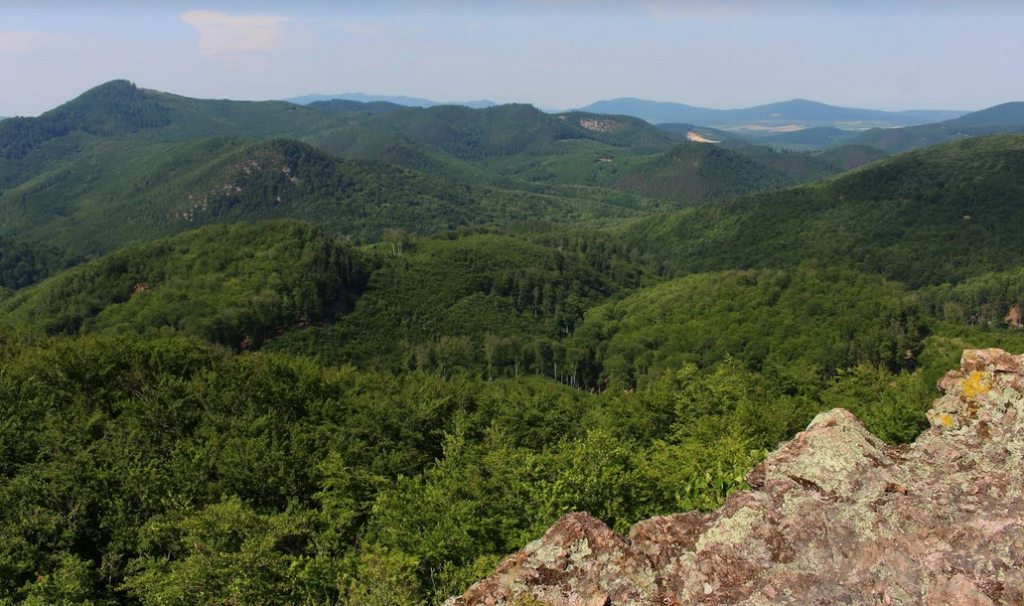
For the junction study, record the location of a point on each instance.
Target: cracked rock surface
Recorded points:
(834, 516)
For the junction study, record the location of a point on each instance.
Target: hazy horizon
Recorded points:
(551, 53)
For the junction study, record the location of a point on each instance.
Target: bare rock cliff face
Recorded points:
(835, 516)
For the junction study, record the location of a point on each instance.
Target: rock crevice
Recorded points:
(835, 516)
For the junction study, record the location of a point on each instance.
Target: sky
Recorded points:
(885, 54)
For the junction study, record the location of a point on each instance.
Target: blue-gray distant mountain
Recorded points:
(933, 115)
(396, 99)
(1004, 118)
(1006, 114)
(770, 118)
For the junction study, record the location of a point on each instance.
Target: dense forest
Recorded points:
(354, 354)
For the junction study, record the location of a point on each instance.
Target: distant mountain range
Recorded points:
(396, 99)
(772, 118)
(762, 120)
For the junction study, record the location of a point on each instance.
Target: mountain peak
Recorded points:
(114, 108)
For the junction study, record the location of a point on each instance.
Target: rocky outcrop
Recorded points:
(835, 516)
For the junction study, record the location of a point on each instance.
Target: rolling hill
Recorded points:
(818, 137)
(344, 106)
(1006, 114)
(804, 166)
(119, 109)
(750, 316)
(127, 192)
(926, 217)
(74, 165)
(217, 411)
(692, 132)
(695, 173)
(1005, 118)
(516, 130)
(236, 285)
(435, 302)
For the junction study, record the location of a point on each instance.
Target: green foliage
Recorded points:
(1004, 118)
(423, 406)
(805, 323)
(165, 472)
(470, 302)
(114, 108)
(236, 285)
(928, 217)
(342, 106)
(23, 264)
(128, 193)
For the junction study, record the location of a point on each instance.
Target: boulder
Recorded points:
(835, 516)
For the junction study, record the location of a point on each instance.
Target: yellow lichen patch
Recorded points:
(945, 419)
(976, 384)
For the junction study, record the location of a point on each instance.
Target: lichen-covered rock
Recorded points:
(835, 516)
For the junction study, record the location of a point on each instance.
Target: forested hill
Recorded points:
(1005, 114)
(125, 192)
(121, 108)
(514, 129)
(236, 285)
(344, 106)
(265, 414)
(1005, 118)
(123, 165)
(926, 217)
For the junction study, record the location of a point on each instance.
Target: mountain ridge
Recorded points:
(794, 111)
(1002, 118)
(402, 100)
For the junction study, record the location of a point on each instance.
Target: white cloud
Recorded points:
(12, 42)
(222, 36)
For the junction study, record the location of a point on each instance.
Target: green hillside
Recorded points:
(516, 130)
(1006, 114)
(345, 106)
(454, 327)
(804, 166)
(934, 215)
(696, 173)
(236, 285)
(124, 192)
(1005, 118)
(783, 322)
(479, 301)
(23, 263)
(121, 165)
(819, 137)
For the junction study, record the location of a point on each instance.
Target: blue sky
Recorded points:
(894, 54)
